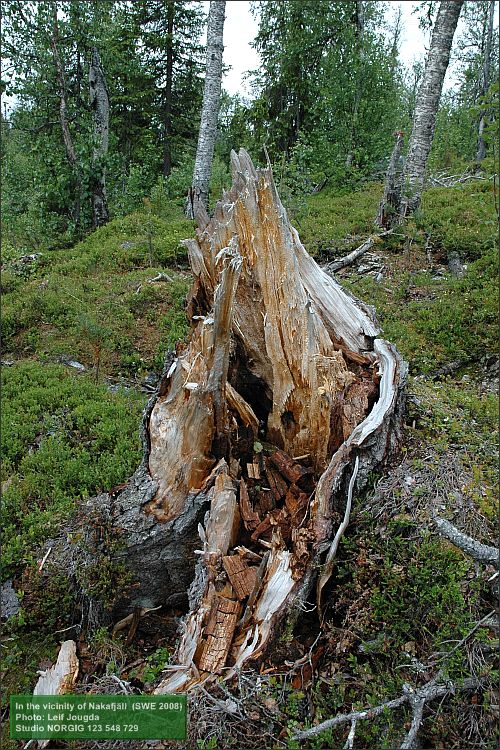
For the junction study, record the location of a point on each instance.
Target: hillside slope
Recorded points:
(85, 332)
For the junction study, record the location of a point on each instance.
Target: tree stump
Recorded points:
(281, 404)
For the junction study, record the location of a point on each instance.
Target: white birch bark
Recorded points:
(210, 110)
(426, 107)
(99, 102)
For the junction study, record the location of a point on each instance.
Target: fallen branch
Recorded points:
(453, 179)
(451, 367)
(122, 624)
(417, 699)
(481, 552)
(336, 265)
(160, 277)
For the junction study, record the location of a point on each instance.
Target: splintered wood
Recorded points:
(251, 519)
(219, 634)
(241, 575)
(284, 381)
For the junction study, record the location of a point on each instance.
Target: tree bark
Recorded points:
(63, 115)
(220, 517)
(199, 190)
(99, 101)
(485, 82)
(426, 107)
(390, 204)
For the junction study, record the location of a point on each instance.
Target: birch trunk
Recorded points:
(426, 107)
(63, 115)
(485, 82)
(199, 190)
(264, 428)
(99, 101)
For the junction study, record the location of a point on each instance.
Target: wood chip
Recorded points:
(279, 517)
(251, 519)
(296, 503)
(241, 575)
(265, 503)
(253, 471)
(219, 632)
(287, 467)
(276, 482)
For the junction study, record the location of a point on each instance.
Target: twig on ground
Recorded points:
(350, 737)
(417, 707)
(483, 622)
(125, 686)
(336, 265)
(160, 277)
(42, 562)
(417, 698)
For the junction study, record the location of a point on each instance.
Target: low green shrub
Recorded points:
(64, 438)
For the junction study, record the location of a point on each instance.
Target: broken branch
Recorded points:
(418, 698)
(481, 552)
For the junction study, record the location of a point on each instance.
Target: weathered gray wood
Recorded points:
(481, 552)
(99, 101)
(350, 258)
(388, 212)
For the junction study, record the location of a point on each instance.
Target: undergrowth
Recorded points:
(401, 595)
(64, 438)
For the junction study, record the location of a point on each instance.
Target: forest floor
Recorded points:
(85, 330)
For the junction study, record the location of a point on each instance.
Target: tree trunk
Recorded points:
(390, 204)
(167, 123)
(63, 115)
(281, 404)
(99, 101)
(198, 192)
(485, 82)
(427, 103)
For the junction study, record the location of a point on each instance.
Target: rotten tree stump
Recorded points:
(250, 442)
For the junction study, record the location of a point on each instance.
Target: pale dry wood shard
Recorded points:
(62, 676)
